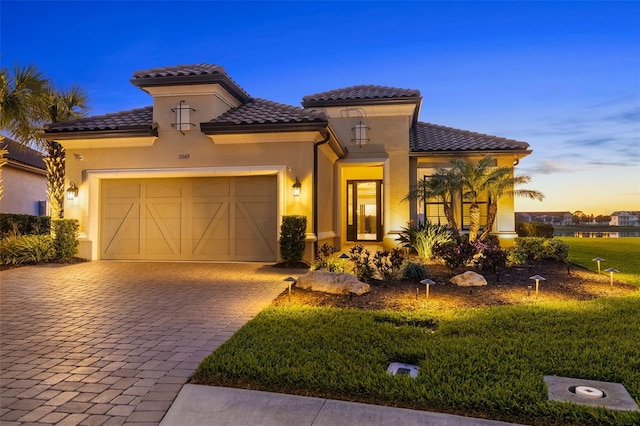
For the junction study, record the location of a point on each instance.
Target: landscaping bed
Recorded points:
(509, 286)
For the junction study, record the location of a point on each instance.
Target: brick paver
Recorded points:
(110, 343)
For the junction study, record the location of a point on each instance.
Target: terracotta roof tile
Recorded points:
(360, 93)
(135, 118)
(262, 111)
(23, 154)
(427, 137)
(189, 74)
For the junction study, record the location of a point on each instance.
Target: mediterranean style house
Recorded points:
(24, 179)
(207, 172)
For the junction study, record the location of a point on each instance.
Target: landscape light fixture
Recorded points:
(427, 282)
(598, 259)
(72, 191)
(296, 188)
(290, 280)
(611, 271)
(538, 278)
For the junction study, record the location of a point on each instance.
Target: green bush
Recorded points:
(424, 237)
(387, 263)
(326, 260)
(292, 235)
(26, 249)
(413, 271)
(361, 259)
(65, 241)
(534, 229)
(23, 224)
(527, 249)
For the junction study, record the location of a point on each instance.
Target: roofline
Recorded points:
(361, 101)
(24, 166)
(221, 79)
(133, 131)
(442, 153)
(216, 128)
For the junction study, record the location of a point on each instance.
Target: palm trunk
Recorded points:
(491, 218)
(448, 212)
(474, 225)
(55, 161)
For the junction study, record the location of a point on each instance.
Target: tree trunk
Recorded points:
(55, 161)
(448, 212)
(474, 225)
(491, 218)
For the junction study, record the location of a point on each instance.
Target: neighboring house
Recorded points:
(551, 218)
(207, 171)
(625, 218)
(24, 178)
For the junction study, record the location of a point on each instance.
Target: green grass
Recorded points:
(622, 254)
(487, 362)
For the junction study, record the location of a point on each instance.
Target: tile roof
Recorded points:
(23, 154)
(427, 137)
(262, 111)
(189, 75)
(133, 119)
(359, 93)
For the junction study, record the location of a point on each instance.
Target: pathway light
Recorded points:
(598, 259)
(611, 271)
(538, 278)
(427, 282)
(290, 280)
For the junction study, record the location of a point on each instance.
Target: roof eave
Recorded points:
(130, 132)
(209, 128)
(220, 79)
(365, 101)
(520, 152)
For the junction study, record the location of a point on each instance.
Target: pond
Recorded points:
(597, 234)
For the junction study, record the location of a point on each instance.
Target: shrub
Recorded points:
(24, 224)
(485, 254)
(327, 261)
(528, 249)
(292, 235)
(65, 240)
(25, 249)
(534, 229)
(388, 263)
(361, 259)
(413, 271)
(424, 237)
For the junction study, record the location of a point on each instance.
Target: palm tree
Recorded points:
(64, 104)
(502, 183)
(441, 186)
(473, 180)
(23, 96)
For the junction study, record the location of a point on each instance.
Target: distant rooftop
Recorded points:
(21, 154)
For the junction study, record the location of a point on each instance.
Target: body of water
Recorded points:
(596, 234)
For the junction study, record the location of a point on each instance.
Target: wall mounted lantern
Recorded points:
(296, 188)
(182, 123)
(72, 191)
(360, 134)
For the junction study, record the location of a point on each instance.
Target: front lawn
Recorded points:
(484, 362)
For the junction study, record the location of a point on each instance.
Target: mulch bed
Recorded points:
(510, 286)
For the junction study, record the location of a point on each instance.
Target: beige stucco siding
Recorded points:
(22, 190)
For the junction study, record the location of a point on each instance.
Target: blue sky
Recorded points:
(562, 76)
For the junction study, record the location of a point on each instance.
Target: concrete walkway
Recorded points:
(113, 342)
(198, 405)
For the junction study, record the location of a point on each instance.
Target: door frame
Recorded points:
(352, 234)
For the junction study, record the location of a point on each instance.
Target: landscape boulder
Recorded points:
(332, 282)
(469, 279)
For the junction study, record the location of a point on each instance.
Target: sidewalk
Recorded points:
(199, 405)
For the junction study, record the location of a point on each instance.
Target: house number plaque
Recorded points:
(183, 156)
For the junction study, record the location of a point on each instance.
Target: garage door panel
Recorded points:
(231, 218)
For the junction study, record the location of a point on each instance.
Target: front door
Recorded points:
(364, 210)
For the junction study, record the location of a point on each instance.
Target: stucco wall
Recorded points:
(22, 190)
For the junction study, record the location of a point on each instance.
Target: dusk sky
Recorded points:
(564, 77)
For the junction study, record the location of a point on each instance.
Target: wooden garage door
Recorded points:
(230, 218)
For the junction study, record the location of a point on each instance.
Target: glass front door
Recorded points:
(364, 210)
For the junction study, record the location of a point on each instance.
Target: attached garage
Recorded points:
(200, 218)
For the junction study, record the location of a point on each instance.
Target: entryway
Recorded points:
(364, 210)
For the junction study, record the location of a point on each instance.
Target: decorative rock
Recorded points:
(469, 279)
(332, 282)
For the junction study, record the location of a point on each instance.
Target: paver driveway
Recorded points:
(113, 342)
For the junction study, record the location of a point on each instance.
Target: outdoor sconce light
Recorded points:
(296, 188)
(183, 120)
(360, 134)
(72, 192)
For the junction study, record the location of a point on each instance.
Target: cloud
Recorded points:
(631, 116)
(548, 167)
(591, 141)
